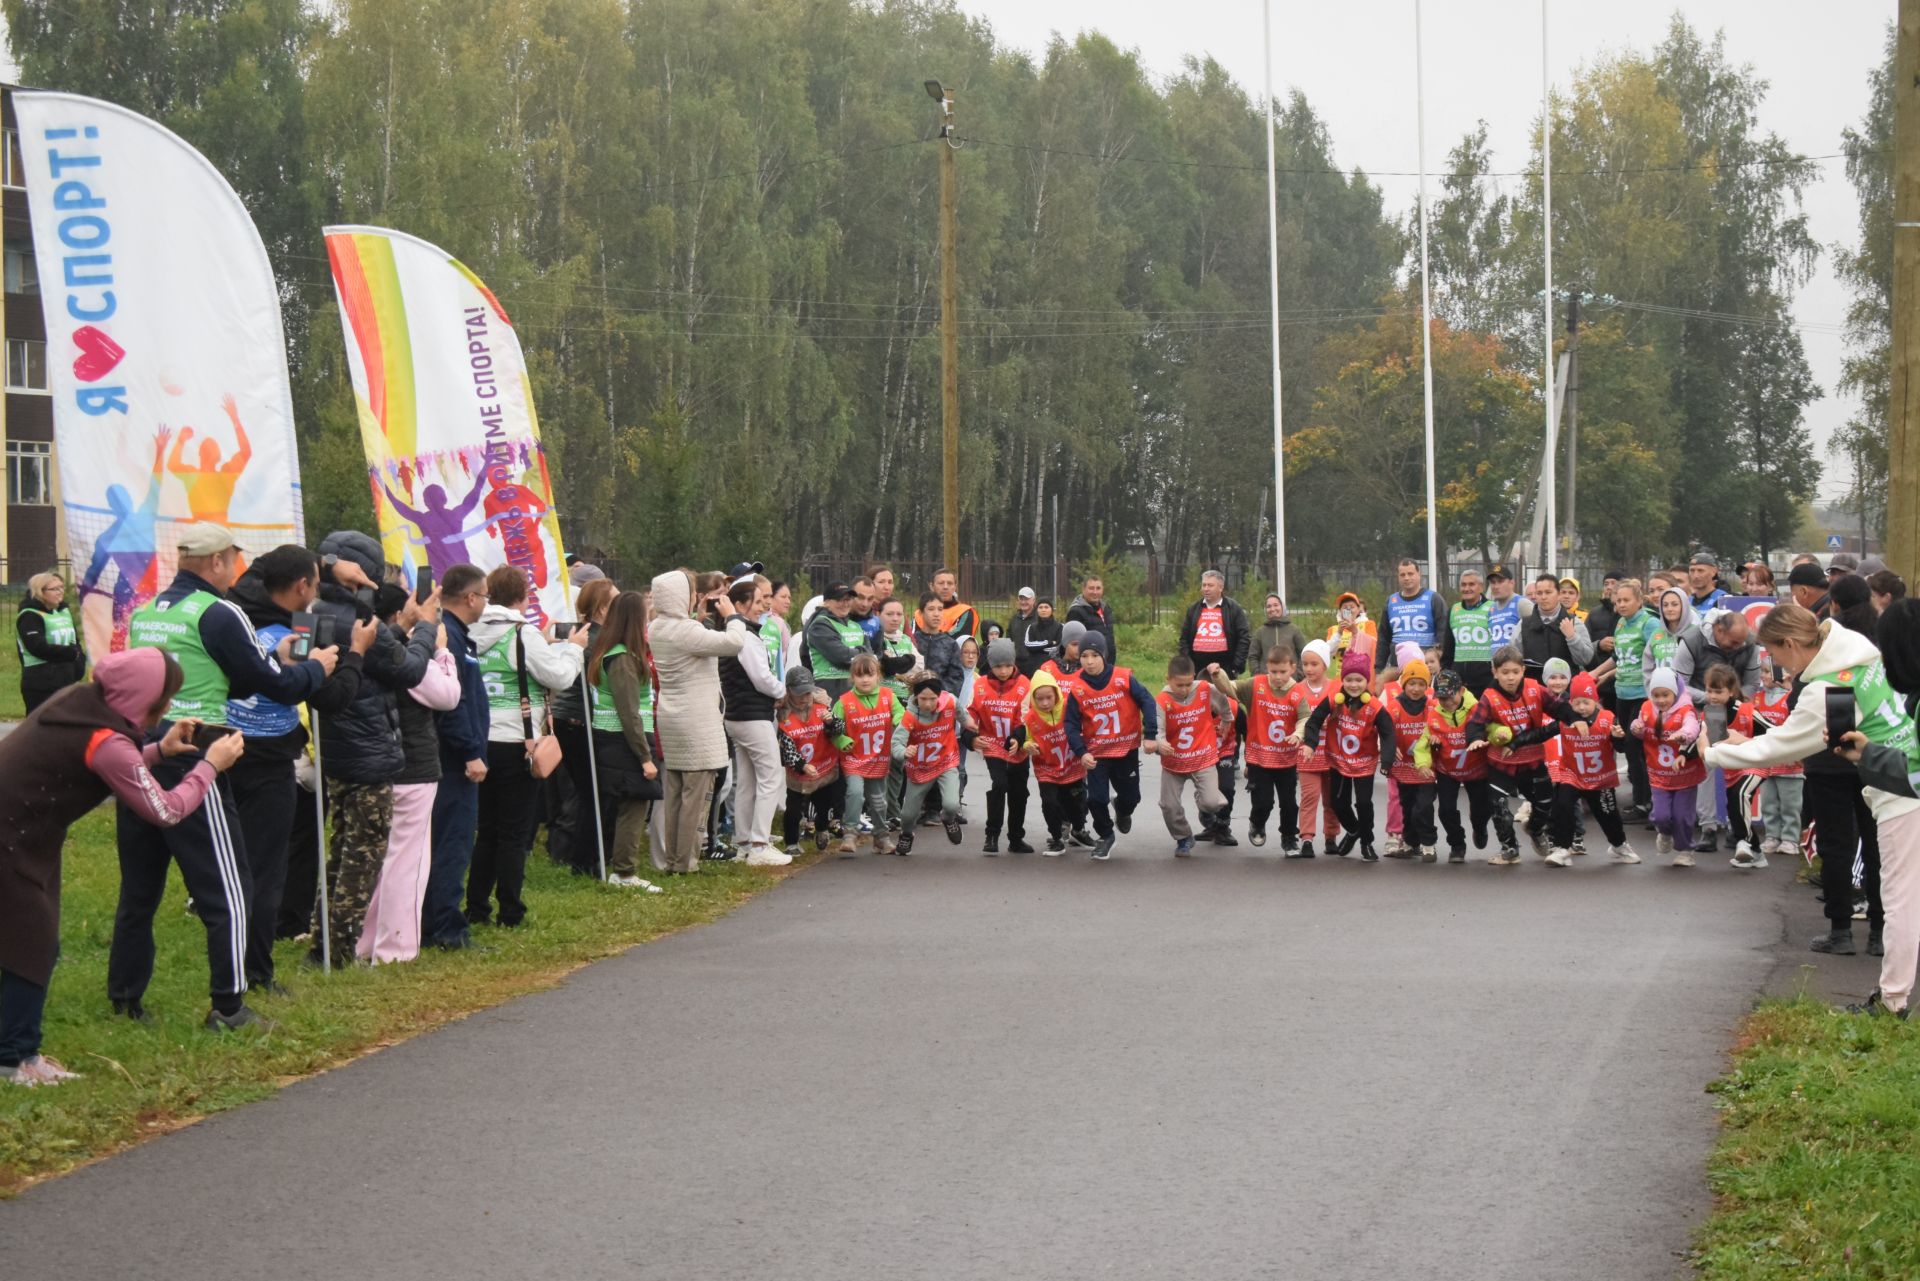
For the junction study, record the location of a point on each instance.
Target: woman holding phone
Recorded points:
(80, 747)
(580, 855)
(687, 715)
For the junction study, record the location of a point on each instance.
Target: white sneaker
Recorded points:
(36, 1071)
(1396, 845)
(1769, 846)
(1663, 844)
(1622, 854)
(633, 883)
(1683, 859)
(1745, 856)
(1560, 858)
(767, 856)
(1521, 815)
(1504, 857)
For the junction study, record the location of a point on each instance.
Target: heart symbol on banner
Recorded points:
(98, 354)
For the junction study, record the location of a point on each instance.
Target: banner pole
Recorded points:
(320, 840)
(593, 773)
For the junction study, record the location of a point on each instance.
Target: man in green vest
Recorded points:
(220, 658)
(834, 636)
(1467, 647)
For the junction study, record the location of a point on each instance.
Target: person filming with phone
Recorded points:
(221, 657)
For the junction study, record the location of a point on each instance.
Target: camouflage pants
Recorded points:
(362, 816)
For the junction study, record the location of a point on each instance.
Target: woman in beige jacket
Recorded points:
(687, 715)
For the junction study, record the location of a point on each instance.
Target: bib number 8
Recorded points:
(1668, 757)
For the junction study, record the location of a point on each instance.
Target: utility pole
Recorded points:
(1571, 411)
(949, 333)
(1903, 431)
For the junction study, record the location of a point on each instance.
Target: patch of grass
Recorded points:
(142, 1081)
(1817, 1172)
(11, 706)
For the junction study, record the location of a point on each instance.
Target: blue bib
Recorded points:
(1504, 622)
(1412, 620)
(258, 716)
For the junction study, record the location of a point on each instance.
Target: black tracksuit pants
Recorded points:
(267, 799)
(823, 803)
(1267, 784)
(213, 861)
(1007, 797)
(1416, 812)
(1601, 803)
(1353, 804)
(1480, 810)
(1116, 778)
(1842, 827)
(503, 835)
(1064, 807)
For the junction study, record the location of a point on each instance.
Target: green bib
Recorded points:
(770, 637)
(1630, 638)
(59, 631)
(175, 627)
(1472, 632)
(1663, 645)
(605, 715)
(501, 675)
(851, 635)
(1878, 712)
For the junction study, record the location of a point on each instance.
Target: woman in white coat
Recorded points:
(687, 715)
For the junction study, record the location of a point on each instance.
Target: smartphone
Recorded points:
(324, 629)
(563, 630)
(1840, 714)
(205, 735)
(303, 627)
(423, 586)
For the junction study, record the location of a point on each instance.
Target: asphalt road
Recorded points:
(956, 1066)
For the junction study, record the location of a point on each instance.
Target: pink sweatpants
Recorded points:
(1316, 799)
(392, 929)
(1900, 893)
(1395, 823)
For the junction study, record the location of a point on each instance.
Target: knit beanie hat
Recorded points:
(1556, 667)
(1415, 671)
(1000, 653)
(1072, 632)
(1093, 643)
(1406, 652)
(1356, 664)
(1318, 648)
(1584, 686)
(1663, 678)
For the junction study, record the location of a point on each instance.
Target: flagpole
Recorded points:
(1546, 332)
(1436, 572)
(1273, 303)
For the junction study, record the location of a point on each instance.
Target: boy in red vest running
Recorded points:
(1460, 766)
(1412, 771)
(928, 740)
(1359, 737)
(996, 708)
(1273, 702)
(1670, 729)
(808, 730)
(1109, 714)
(1041, 738)
(1189, 750)
(869, 714)
(1580, 763)
(1511, 723)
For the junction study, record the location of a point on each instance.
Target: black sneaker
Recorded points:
(1833, 942)
(991, 845)
(720, 853)
(1709, 842)
(1124, 822)
(1204, 834)
(1224, 836)
(905, 845)
(1344, 846)
(1456, 854)
(953, 829)
(131, 1010)
(1479, 838)
(1256, 837)
(1056, 845)
(1874, 946)
(1367, 854)
(1018, 846)
(272, 987)
(1306, 850)
(1083, 838)
(1875, 1005)
(821, 839)
(242, 1017)
(1102, 849)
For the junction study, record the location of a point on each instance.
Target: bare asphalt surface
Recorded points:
(951, 1066)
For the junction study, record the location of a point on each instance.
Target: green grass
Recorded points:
(142, 1081)
(11, 708)
(1817, 1172)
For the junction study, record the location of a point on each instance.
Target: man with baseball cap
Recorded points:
(1703, 582)
(1033, 637)
(1808, 584)
(1507, 608)
(221, 658)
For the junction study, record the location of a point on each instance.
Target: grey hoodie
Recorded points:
(1662, 645)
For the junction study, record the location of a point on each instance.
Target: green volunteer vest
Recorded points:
(500, 673)
(605, 715)
(1472, 631)
(175, 628)
(851, 635)
(770, 637)
(1878, 712)
(1663, 645)
(1630, 639)
(59, 631)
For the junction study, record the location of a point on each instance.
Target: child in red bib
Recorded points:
(1041, 738)
(1272, 703)
(1412, 771)
(1189, 749)
(998, 697)
(1459, 766)
(1109, 714)
(868, 715)
(808, 730)
(1670, 729)
(1359, 737)
(928, 742)
(1778, 827)
(1580, 765)
(1511, 725)
(1315, 772)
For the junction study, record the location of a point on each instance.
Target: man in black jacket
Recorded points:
(1034, 638)
(463, 763)
(276, 586)
(1090, 610)
(360, 751)
(1215, 630)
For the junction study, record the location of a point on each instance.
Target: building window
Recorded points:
(26, 364)
(29, 473)
(23, 273)
(13, 172)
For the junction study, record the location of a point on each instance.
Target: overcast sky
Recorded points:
(1355, 63)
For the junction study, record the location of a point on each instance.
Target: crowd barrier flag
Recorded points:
(446, 415)
(165, 359)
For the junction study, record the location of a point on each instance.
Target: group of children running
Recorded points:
(1529, 755)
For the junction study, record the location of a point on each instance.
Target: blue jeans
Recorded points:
(22, 1006)
(456, 809)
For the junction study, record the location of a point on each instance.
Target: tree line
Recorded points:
(714, 224)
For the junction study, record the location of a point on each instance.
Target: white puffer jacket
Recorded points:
(686, 713)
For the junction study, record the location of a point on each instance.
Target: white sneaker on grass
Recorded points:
(767, 856)
(633, 883)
